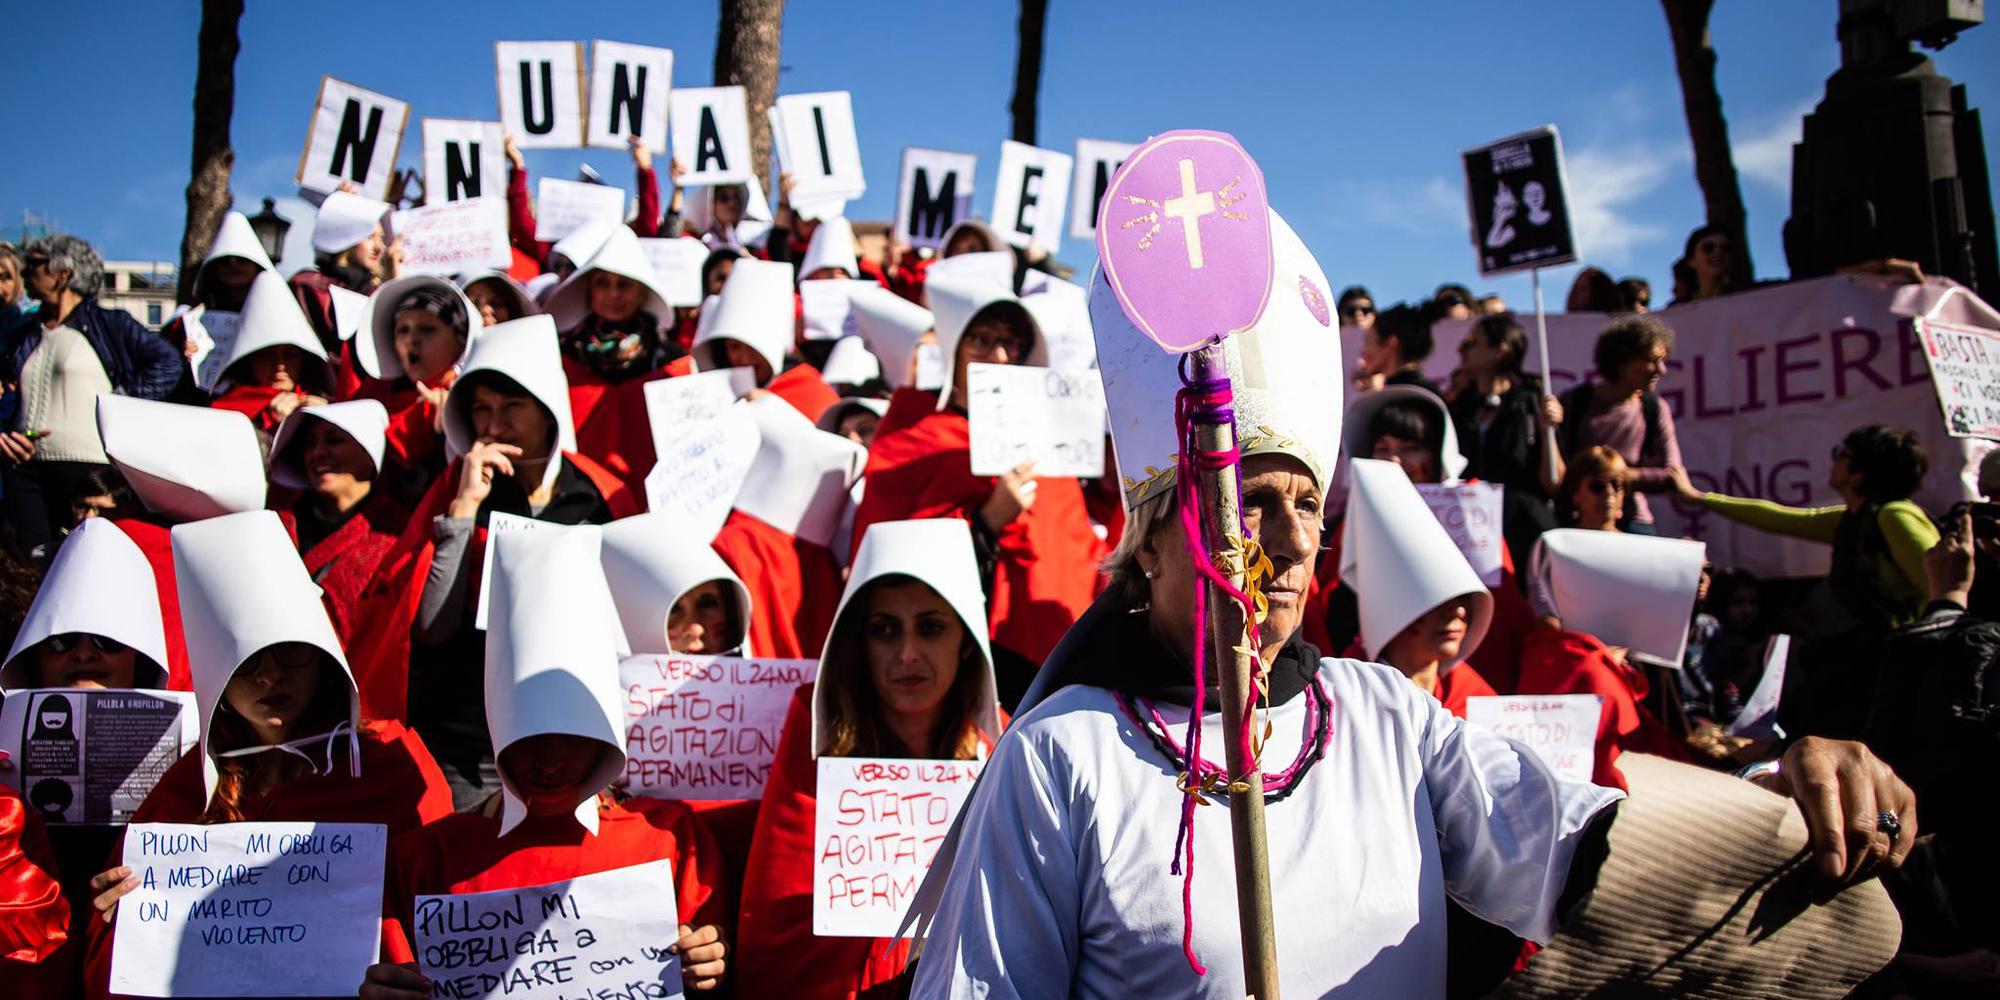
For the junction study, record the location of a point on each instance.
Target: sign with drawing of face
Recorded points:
(1519, 202)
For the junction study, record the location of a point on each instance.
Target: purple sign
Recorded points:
(1184, 237)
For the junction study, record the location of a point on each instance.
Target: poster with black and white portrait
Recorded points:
(1519, 202)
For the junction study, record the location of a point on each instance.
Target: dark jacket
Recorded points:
(138, 361)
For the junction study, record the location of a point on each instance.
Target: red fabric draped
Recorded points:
(794, 586)
(157, 544)
(612, 428)
(1458, 684)
(1563, 662)
(801, 386)
(37, 954)
(1045, 563)
(255, 402)
(345, 561)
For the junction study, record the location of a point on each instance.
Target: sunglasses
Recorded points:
(1357, 310)
(36, 263)
(980, 343)
(63, 642)
(291, 654)
(1605, 487)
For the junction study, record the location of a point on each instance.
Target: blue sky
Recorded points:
(1356, 111)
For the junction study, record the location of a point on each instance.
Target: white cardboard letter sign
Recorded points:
(541, 93)
(92, 755)
(934, 193)
(1096, 161)
(463, 160)
(594, 935)
(820, 147)
(1020, 412)
(705, 727)
(1029, 195)
(711, 127)
(563, 207)
(877, 823)
(249, 909)
(628, 94)
(452, 237)
(1470, 513)
(354, 138)
(1561, 729)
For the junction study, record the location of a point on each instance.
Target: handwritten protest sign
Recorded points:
(1561, 728)
(496, 524)
(675, 405)
(677, 264)
(249, 909)
(563, 207)
(216, 329)
(699, 473)
(1965, 369)
(1758, 719)
(877, 823)
(602, 935)
(92, 755)
(1019, 413)
(452, 237)
(705, 727)
(1470, 513)
(828, 309)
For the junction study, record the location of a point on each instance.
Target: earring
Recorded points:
(1150, 574)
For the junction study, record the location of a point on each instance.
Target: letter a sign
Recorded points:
(354, 138)
(541, 93)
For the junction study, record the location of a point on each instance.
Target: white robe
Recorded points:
(1061, 888)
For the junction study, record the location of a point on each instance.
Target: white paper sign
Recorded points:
(675, 405)
(84, 755)
(677, 266)
(498, 523)
(711, 127)
(563, 207)
(878, 822)
(249, 909)
(1096, 161)
(1758, 718)
(218, 330)
(933, 194)
(541, 93)
(1965, 369)
(1020, 412)
(602, 935)
(1029, 196)
(930, 366)
(350, 310)
(699, 474)
(354, 138)
(628, 94)
(705, 727)
(1561, 728)
(453, 237)
(1470, 513)
(821, 150)
(463, 159)
(828, 308)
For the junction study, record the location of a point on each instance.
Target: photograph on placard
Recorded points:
(355, 136)
(1029, 196)
(629, 91)
(711, 132)
(933, 194)
(541, 93)
(1519, 202)
(463, 159)
(1096, 161)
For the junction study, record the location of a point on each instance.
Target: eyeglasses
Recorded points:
(63, 642)
(1357, 309)
(291, 654)
(987, 343)
(35, 263)
(1605, 487)
(1711, 246)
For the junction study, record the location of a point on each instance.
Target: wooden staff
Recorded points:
(1221, 519)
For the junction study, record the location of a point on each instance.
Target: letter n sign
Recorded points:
(354, 138)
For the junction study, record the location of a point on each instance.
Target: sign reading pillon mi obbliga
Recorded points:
(602, 935)
(877, 824)
(1184, 238)
(249, 909)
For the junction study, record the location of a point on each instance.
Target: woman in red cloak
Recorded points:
(331, 455)
(419, 331)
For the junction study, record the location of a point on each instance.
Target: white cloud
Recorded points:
(1765, 155)
(1413, 205)
(1609, 185)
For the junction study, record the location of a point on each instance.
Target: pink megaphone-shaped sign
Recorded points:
(1184, 238)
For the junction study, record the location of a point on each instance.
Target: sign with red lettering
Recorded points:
(705, 727)
(1561, 728)
(1470, 513)
(1965, 370)
(601, 935)
(878, 822)
(453, 237)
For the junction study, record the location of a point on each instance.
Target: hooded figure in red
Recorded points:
(344, 521)
(1034, 537)
(418, 333)
(351, 253)
(552, 700)
(753, 323)
(282, 737)
(276, 364)
(906, 661)
(507, 421)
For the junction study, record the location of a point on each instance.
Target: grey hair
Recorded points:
(75, 256)
(1122, 567)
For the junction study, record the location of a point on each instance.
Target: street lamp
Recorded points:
(271, 229)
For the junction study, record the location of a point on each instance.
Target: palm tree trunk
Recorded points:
(214, 102)
(1708, 130)
(746, 55)
(1028, 69)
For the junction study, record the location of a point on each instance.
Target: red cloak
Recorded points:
(1458, 684)
(794, 586)
(1044, 563)
(37, 954)
(313, 289)
(612, 428)
(379, 649)
(1557, 661)
(400, 787)
(802, 386)
(465, 853)
(343, 562)
(254, 401)
(157, 544)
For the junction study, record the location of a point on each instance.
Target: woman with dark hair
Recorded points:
(102, 493)
(1593, 291)
(418, 333)
(1879, 536)
(1623, 412)
(906, 674)
(1635, 295)
(352, 252)
(1502, 425)
(1710, 260)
